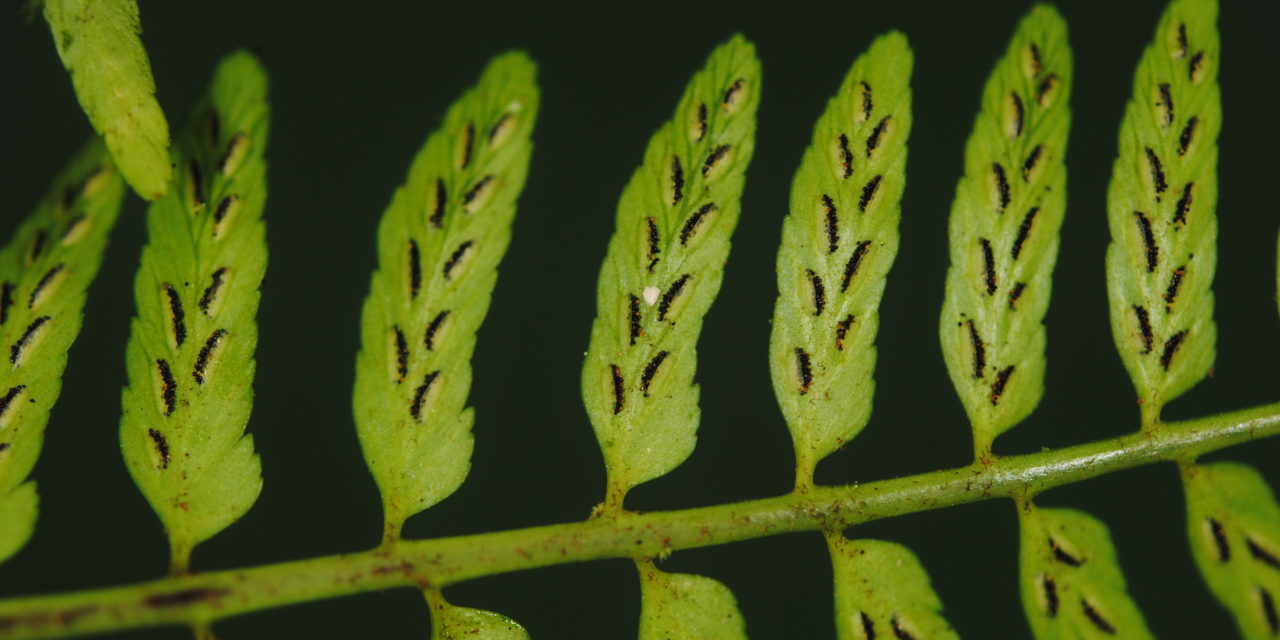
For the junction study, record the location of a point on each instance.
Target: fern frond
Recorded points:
(663, 270)
(190, 353)
(882, 591)
(439, 245)
(679, 605)
(1233, 522)
(838, 244)
(1160, 206)
(1072, 586)
(44, 272)
(1004, 230)
(99, 46)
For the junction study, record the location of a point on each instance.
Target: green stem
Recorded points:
(982, 445)
(437, 604)
(202, 631)
(393, 523)
(434, 564)
(805, 467)
(836, 542)
(1150, 411)
(179, 558)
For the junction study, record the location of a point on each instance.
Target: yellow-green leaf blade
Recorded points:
(663, 269)
(99, 46)
(451, 622)
(190, 354)
(1072, 586)
(680, 606)
(1233, 522)
(439, 245)
(1160, 207)
(838, 244)
(45, 270)
(1004, 230)
(882, 591)
(18, 509)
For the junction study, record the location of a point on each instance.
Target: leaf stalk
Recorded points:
(437, 563)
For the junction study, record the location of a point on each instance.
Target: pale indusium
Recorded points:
(433, 283)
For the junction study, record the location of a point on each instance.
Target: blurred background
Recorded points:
(355, 89)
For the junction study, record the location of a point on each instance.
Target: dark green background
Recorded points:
(355, 89)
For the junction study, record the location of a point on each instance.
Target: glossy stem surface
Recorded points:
(436, 563)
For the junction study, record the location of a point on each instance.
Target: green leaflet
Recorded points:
(883, 592)
(44, 272)
(451, 622)
(679, 606)
(1004, 230)
(838, 244)
(190, 354)
(18, 509)
(439, 245)
(1160, 206)
(98, 43)
(663, 269)
(1234, 525)
(461, 623)
(1072, 586)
